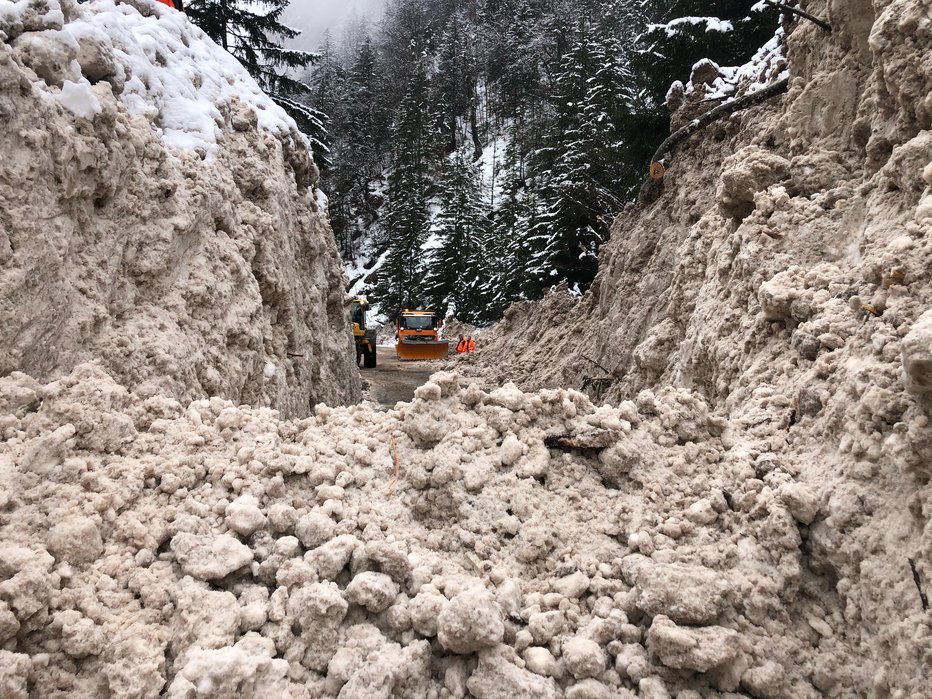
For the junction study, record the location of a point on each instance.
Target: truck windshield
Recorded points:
(417, 322)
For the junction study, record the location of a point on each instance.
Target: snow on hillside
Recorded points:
(167, 71)
(712, 24)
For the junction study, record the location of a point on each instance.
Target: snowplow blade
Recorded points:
(414, 351)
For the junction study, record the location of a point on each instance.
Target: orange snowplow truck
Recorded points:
(418, 336)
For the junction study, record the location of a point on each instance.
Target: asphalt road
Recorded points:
(394, 380)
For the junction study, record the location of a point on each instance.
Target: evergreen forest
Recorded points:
(475, 152)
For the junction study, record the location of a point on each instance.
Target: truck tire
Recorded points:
(369, 359)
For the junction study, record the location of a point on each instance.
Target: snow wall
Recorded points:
(782, 275)
(158, 214)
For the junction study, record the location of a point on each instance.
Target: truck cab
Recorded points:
(419, 336)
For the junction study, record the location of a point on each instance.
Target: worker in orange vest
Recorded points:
(176, 4)
(461, 345)
(470, 345)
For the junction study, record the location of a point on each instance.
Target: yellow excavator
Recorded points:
(419, 336)
(365, 339)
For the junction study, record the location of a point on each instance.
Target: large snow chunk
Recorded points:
(618, 460)
(688, 648)
(497, 678)
(572, 586)
(135, 664)
(80, 636)
(374, 591)
(332, 557)
(316, 603)
(425, 608)
(315, 529)
(391, 558)
(9, 624)
(243, 671)
(777, 295)
(540, 661)
(801, 501)
(747, 172)
(75, 540)
(583, 657)
(688, 594)
(244, 516)
(209, 557)
(14, 674)
(545, 625)
(48, 451)
(318, 609)
(470, 622)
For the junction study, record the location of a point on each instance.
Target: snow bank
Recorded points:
(158, 214)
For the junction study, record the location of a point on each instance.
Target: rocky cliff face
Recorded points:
(158, 215)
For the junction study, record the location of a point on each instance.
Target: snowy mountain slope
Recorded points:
(159, 214)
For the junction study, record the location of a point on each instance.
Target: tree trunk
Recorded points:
(474, 127)
(224, 7)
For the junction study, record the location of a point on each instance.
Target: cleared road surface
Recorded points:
(394, 380)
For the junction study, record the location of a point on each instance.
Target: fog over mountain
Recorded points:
(314, 17)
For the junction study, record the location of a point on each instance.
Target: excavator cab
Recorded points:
(365, 339)
(419, 336)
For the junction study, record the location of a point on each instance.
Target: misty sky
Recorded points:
(314, 17)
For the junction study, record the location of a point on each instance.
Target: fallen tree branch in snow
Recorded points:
(596, 440)
(657, 169)
(589, 359)
(799, 13)
(922, 594)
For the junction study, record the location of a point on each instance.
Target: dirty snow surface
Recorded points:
(219, 551)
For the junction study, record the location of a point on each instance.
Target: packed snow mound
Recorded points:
(529, 545)
(158, 214)
(782, 271)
